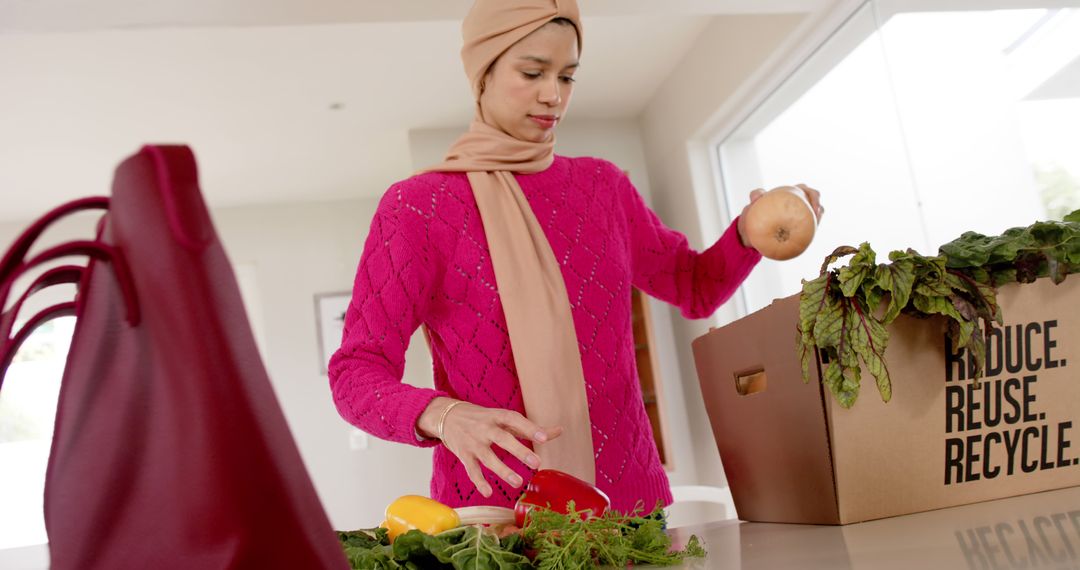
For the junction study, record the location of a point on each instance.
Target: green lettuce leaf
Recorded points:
(861, 266)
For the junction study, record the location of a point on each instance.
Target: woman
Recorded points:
(519, 264)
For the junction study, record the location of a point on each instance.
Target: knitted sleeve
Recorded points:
(390, 297)
(664, 265)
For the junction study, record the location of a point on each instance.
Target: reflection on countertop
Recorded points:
(1028, 532)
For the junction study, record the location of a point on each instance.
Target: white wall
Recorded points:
(674, 127)
(617, 140)
(297, 251)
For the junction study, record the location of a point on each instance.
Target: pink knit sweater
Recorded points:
(426, 261)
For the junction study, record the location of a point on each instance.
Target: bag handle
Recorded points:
(94, 249)
(14, 265)
(61, 275)
(11, 346)
(17, 253)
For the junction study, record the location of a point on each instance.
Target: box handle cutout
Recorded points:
(752, 382)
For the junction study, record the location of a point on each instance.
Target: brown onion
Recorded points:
(781, 223)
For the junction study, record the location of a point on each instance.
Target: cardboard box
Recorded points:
(792, 454)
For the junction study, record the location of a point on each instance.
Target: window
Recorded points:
(918, 121)
(27, 411)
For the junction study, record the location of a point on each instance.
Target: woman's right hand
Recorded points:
(469, 431)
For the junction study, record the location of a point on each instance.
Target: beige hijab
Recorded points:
(531, 285)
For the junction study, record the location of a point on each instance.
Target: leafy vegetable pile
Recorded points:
(844, 313)
(460, 548)
(550, 541)
(576, 541)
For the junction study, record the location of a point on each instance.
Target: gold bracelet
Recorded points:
(442, 416)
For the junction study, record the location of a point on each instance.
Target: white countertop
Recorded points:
(1032, 531)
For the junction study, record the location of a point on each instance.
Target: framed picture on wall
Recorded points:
(330, 320)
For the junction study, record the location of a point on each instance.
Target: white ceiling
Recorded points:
(73, 15)
(253, 86)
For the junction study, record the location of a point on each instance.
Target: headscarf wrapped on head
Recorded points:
(492, 26)
(530, 282)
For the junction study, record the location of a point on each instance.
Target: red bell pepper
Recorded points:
(553, 489)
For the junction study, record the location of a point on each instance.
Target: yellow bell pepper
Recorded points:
(421, 513)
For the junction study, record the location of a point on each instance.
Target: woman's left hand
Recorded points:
(814, 197)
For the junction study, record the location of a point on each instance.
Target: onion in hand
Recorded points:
(781, 223)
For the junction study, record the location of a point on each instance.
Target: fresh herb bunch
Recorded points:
(462, 548)
(555, 542)
(844, 313)
(578, 541)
